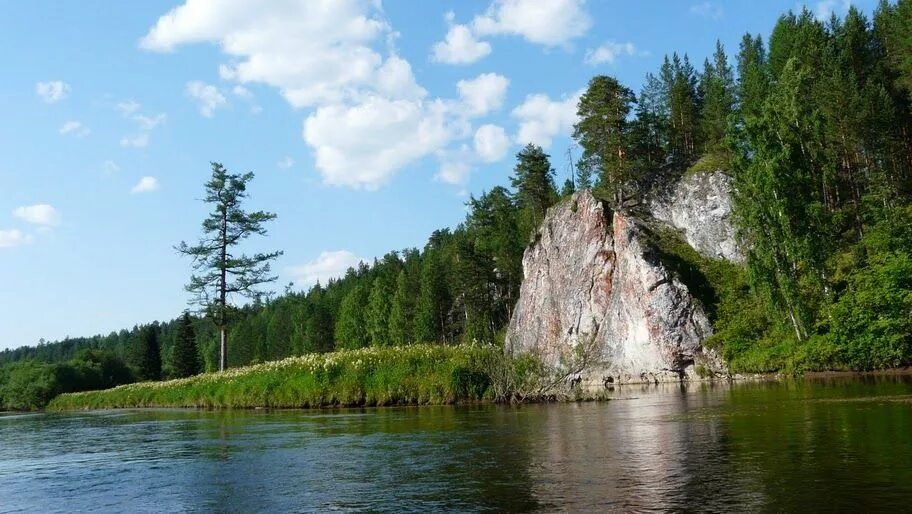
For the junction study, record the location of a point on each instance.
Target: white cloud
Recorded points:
(52, 91)
(491, 143)
(707, 10)
(150, 122)
(145, 185)
(313, 52)
(128, 107)
(460, 47)
(455, 166)
(328, 265)
(546, 22)
(483, 94)
(370, 117)
(13, 238)
(208, 97)
(824, 9)
(241, 92)
(286, 163)
(138, 141)
(39, 214)
(74, 128)
(110, 167)
(362, 145)
(540, 118)
(608, 52)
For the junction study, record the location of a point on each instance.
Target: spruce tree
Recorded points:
(185, 354)
(717, 85)
(147, 353)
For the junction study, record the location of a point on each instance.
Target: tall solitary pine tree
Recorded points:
(222, 272)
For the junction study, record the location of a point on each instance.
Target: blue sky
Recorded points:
(367, 126)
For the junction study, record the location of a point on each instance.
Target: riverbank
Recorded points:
(410, 375)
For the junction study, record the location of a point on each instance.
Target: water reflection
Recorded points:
(823, 444)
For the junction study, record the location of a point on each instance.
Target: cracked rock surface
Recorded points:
(700, 206)
(593, 284)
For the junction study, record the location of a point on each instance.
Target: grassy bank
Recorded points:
(410, 375)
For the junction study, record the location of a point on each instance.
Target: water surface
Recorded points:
(835, 444)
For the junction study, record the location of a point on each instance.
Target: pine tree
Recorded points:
(533, 180)
(185, 354)
(649, 130)
(223, 273)
(603, 134)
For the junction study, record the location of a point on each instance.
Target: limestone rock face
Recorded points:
(700, 206)
(597, 304)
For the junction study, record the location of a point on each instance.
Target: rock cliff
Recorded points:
(597, 304)
(700, 206)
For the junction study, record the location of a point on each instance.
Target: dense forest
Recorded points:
(814, 125)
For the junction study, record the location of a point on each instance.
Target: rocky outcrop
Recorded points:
(597, 304)
(700, 206)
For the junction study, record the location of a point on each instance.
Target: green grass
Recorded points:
(409, 375)
(712, 161)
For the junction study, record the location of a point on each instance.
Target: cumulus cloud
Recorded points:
(368, 116)
(313, 52)
(541, 119)
(491, 143)
(546, 22)
(707, 10)
(362, 145)
(13, 238)
(74, 128)
(459, 47)
(483, 94)
(285, 163)
(328, 265)
(207, 96)
(608, 52)
(137, 141)
(52, 91)
(145, 185)
(40, 214)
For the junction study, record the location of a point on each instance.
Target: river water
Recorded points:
(837, 444)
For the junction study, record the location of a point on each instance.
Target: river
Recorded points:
(822, 444)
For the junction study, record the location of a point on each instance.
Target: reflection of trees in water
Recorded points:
(835, 444)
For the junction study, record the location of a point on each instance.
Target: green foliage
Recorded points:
(147, 354)
(602, 131)
(223, 272)
(185, 358)
(533, 179)
(401, 312)
(351, 326)
(418, 374)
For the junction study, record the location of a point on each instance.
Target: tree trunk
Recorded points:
(223, 349)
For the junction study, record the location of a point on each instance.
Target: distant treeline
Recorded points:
(815, 127)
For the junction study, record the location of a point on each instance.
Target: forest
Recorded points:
(814, 125)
